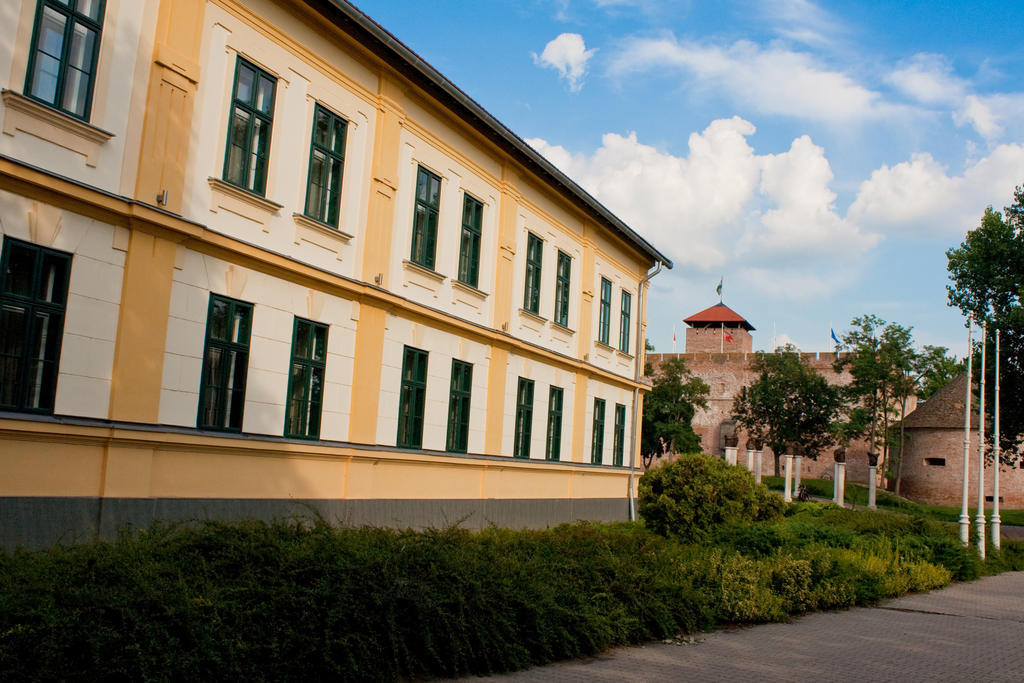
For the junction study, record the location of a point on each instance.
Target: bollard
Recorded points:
(872, 479)
(757, 466)
(798, 461)
(787, 491)
(839, 492)
(872, 485)
(730, 455)
(750, 460)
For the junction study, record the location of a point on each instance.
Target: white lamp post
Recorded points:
(996, 522)
(965, 515)
(979, 519)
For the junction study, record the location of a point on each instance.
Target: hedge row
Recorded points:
(305, 600)
(309, 601)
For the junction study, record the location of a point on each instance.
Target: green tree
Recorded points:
(789, 407)
(883, 366)
(934, 369)
(987, 274)
(669, 408)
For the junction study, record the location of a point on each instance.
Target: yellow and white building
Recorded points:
(258, 257)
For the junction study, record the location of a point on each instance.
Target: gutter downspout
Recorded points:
(638, 371)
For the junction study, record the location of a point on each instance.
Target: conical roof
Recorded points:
(945, 409)
(718, 314)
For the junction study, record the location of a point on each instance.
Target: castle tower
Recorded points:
(716, 329)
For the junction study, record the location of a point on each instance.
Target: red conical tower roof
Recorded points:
(717, 315)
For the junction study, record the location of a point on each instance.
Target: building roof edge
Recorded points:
(406, 61)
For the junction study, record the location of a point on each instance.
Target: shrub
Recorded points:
(691, 496)
(299, 599)
(307, 601)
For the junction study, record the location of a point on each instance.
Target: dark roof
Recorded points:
(396, 54)
(717, 315)
(945, 409)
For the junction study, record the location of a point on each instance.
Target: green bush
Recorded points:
(308, 601)
(692, 495)
(305, 600)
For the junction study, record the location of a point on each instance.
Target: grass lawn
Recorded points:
(857, 495)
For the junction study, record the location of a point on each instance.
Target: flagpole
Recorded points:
(996, 522)
(965, 515)
(979, 519)
(722, 337)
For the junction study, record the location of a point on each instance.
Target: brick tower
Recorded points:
(716, 329)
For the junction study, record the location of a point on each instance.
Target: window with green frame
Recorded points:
(65, 48)
(412, 399)
(554, 438)
(604, 312)
(624, 316)
(33, 298)
(563, 277)
(425, 217)
(597, 438)
(469, 245)
(534, 254)
(619, 435)
(225, 364)
(326, 166)
(306, 380)
(252, 117)
(524, 419)
(458, 407)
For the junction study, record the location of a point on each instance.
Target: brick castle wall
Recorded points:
(725, 374)
(940, 481)
(928, 483)
(711, 340)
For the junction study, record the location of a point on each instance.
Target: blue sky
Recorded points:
(821, 158)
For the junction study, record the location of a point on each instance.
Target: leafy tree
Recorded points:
(934, 369)
(987, 274)
(668, 410)
(883, 368)
(789, 406)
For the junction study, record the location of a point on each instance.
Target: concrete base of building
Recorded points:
(38, 522)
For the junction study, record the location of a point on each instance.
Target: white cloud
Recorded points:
(768, 218)
(994, 116)
(782, 339)
(773, 80)
(920, 197)
(568, 55)
(804, 223)
(929, 79)
(803, 22)
(978, 114)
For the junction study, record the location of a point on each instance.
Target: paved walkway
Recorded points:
(968, 632)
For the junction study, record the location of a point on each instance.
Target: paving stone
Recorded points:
(967, 632)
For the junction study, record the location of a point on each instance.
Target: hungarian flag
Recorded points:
(718, 289)
(726, 335)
